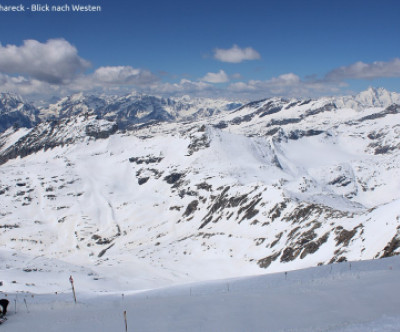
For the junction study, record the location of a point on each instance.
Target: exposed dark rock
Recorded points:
(250, 210)
(220, 203)
(101, 254)
(271, 111)
(236, 201)
(305, 102)
(392, 109)
(145, 160)
(259, 241)
(99, 132)
(197, 143)
(143, 180)
(341, 181)
(374, 135)
(272, 131)
(290, 254)
(221, 125)
(325, 108)
(277, 210)
(344, 236)
(278, 238)
(293, 232)
(391, 247)
(266, 262)
(313, 246)
(284, 122)
(238, 120)
(191, 208)
(204, 186)
(173, 178)
(6, 226)
(296, 134)
(385, 149)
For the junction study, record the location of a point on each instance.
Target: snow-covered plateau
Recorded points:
(137, 192)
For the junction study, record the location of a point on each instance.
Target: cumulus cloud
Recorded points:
(361, 70)
(235, 54)
(220, 77)
(54, 62)
(123, 75)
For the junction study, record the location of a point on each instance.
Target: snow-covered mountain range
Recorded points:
(154, 191)
(125, 110)
(14, 111)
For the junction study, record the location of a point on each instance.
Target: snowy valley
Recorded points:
(139, 192)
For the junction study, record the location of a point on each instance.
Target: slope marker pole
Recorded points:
(71, 280)
(126, 322)
(26, 305)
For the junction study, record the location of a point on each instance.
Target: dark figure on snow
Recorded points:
(3, 307)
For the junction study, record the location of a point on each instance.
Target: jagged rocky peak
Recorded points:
(379, 97)
(10, 99)
(372, 97)
(14, 111)
(53, 133)
(73, 105)
(12, 102)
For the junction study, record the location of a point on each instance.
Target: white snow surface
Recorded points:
(270, 187)
(351, 296)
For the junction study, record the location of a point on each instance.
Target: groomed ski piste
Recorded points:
(349, 296)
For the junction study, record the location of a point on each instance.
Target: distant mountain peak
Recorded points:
(372, 97)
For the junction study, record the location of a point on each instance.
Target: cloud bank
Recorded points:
(54, 68)
(367, 71)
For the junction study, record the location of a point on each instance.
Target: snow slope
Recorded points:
(356, 297)
(272, 186)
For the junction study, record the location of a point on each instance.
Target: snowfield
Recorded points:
(148, 202)
(356, 296)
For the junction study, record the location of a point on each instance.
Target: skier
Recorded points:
(3, 307)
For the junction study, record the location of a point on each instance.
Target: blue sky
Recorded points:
(236, 49)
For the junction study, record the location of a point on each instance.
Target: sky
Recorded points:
(232, 49)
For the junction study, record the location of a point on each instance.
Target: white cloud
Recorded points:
(276, 83)
(236, 54)
(26, 86)
(55, 61)
(361, 70)
(104, 79)
(123, 75)
(55, 68)
(220, 77)
(183, 87)
(286, 85)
